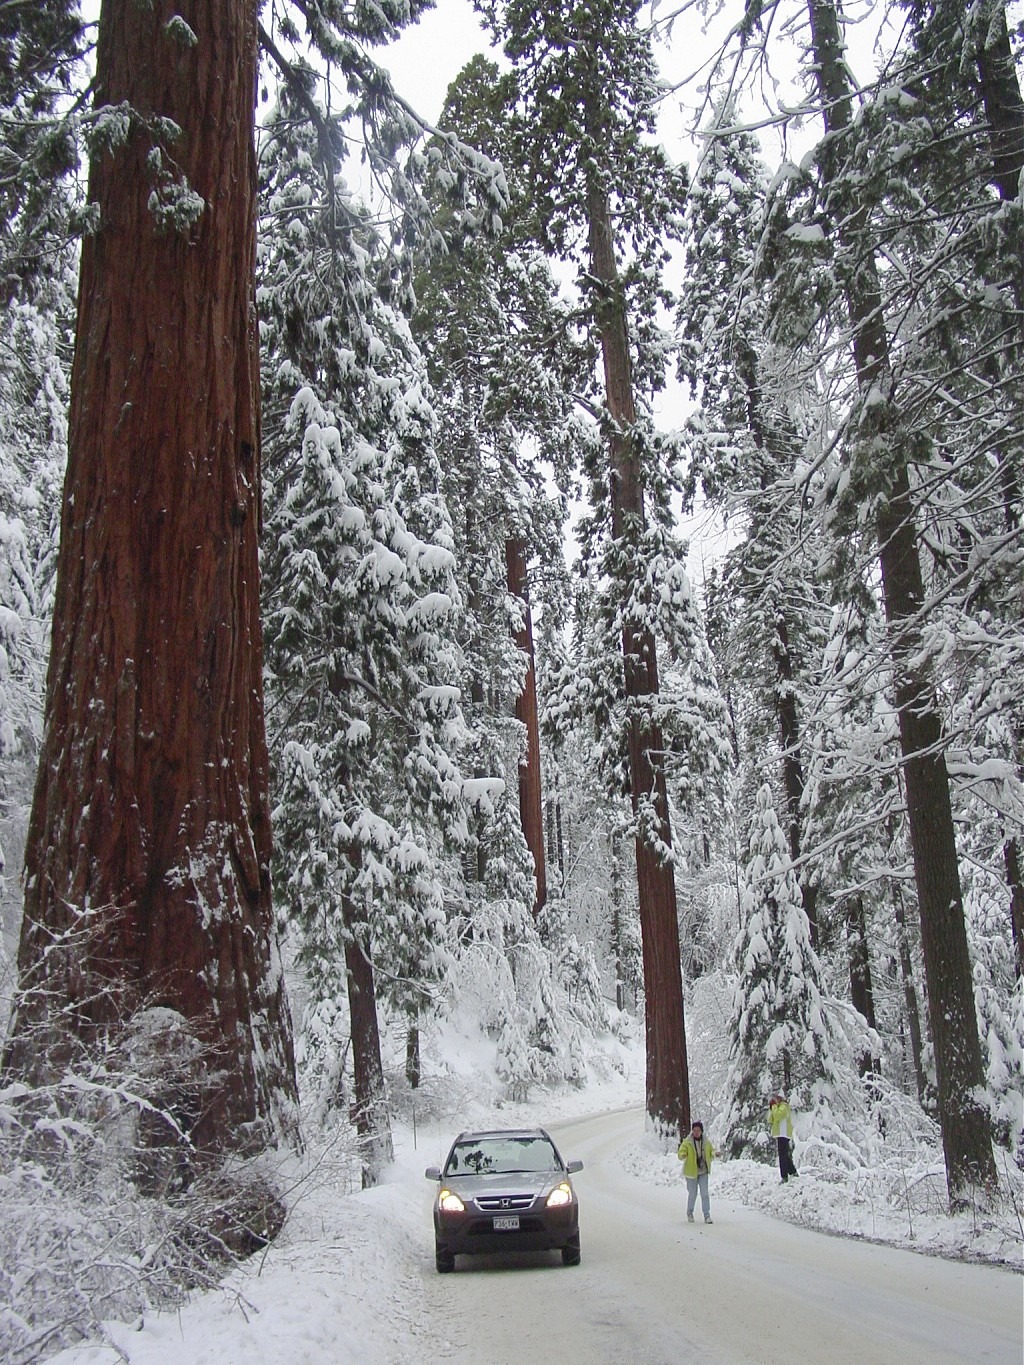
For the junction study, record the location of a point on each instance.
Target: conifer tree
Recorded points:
(883, 426)
(872, 190)
(604, 199)
(781, 1038)
(41, 52)
(747, 444)
(504, 365)
(360, 599)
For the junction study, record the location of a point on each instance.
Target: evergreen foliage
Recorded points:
(782, 1038)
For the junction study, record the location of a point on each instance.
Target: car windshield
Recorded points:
(502, 1156)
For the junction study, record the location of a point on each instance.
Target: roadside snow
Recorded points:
(852, 1205)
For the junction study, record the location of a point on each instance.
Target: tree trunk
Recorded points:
(1001, 96)
(668, 1085)
(910, 1000)
(412, 1055)
(370, 1111)
(476, 682)
(620, 994)
(966, 1138)
(861, 994)
(1011, 856)
(1004, 110)
(792, 766)
(560, 845)
(530, 796)
(150, 822)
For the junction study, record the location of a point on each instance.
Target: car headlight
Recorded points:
(561, 1194)
(450, 1202)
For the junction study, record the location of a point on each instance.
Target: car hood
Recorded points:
(491, 1186)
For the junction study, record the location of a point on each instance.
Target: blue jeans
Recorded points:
(699, 1182)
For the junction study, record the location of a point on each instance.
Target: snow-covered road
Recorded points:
(352, 1282)
(653, 1290)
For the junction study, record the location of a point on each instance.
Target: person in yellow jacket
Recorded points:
(781, 1118)
(696, 1153)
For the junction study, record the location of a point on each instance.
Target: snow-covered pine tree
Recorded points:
(41, 66)
(604, 198)
(34, 364)
(361, 603)
(505, 366)
(748, 441)
(781, 1036)
(863, 197)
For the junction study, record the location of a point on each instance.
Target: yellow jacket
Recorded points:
(687, 1154)
(782, 1120)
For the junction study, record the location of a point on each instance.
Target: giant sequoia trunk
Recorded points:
(668, 1084)
(966, 1138)
(147, 866)
(531, 811)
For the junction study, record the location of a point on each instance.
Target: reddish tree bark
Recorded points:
(668, 1082)
(149, 842)
(531, 811)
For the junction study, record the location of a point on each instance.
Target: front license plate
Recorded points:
(507, 1224)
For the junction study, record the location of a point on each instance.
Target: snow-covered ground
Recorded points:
(852, 1204)
(351, 1278)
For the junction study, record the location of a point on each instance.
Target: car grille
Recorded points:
(503, 1203)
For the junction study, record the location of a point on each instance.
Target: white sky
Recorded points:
(425, 61)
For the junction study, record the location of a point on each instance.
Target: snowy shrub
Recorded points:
(321, 1052)
(999, 998)
(108, 1209)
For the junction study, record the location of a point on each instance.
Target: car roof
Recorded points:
(472, 1135)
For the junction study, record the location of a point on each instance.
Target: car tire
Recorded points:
(444, 1260)
(571, 1255)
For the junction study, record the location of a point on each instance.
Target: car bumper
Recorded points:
(470, 1234)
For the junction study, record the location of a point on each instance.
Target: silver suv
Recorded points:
(505, 1191)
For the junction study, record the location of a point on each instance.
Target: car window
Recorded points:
(502, 1156)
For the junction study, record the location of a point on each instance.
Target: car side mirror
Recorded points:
(433, 1173)
(571, 1167)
